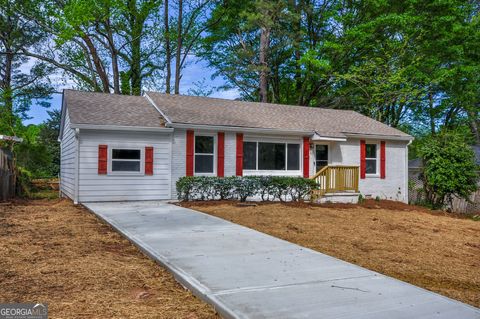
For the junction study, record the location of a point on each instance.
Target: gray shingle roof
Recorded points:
(221, 112)
(111, 109)
(122, 110)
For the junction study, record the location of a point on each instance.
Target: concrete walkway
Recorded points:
(246, 274)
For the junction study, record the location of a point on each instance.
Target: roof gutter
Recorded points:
(121, 128)
(318, 137)
(239, 129)
(380, 136)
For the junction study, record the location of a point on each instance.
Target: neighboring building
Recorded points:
(116, 147)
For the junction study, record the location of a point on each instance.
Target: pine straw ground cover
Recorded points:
(432, 250)
(52, 251)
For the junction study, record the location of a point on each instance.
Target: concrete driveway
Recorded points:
(247, 274)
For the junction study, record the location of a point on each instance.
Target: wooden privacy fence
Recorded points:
(336, 178)
(7, 176)
(416, 195)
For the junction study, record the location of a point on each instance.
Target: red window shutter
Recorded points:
(382, 159)
(221, 154)
(148, 160)
(190, 152)
(102, 159)
(306, 156)
(363, 161)
(239, 170)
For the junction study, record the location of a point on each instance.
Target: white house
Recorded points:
(116, 147)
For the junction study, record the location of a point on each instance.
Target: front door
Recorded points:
(321, 156)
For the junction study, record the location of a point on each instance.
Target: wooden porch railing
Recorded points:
(336, 178)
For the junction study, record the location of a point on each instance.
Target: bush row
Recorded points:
(266, 188)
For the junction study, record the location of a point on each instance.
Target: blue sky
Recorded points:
(194, 72)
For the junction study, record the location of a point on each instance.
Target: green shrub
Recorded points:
(185, 186)
(245, 187)
(266, 187)
(361, 199)
(224, 187)
(449, 168)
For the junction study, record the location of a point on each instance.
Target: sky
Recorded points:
(195, 71)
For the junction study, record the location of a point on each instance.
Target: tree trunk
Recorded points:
(136, 30)
(8, 93)
(116, 73)
(264, 44)
(179, 47)
(114, 55)
(168, 54)
(297, 27)
(135, 67)
(97, 62)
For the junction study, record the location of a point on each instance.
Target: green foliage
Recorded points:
(449, 168)
(361, 199)
(266, 187)
(39, 153)
(24, 185)
(409, 64)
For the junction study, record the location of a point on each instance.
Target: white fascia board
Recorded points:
(62, 117)
(122, 128)
(240, 129)
(381, 137)
(149, 99)
(318, 137)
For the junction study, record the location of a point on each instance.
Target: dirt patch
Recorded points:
(429, 249)
(54, 252)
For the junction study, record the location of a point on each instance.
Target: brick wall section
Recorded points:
(394, 185)
(179, 146)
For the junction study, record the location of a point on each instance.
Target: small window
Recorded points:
(371, 158)
(126, 160)
(204, 154)
(249, 155)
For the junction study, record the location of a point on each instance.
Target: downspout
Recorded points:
(77, 165)
(406, 171)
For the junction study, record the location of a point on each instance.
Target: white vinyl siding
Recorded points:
(68, 154)
(95, 187)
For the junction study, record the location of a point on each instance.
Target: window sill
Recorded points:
(125, 174)
(372, 175)
(271, 173)
(204, 174)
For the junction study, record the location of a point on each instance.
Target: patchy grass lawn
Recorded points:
(52, 251)
(432, 250)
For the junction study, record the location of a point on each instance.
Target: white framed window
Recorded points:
(125, 160)
(204, 159)
(371, 158)
(271, 156)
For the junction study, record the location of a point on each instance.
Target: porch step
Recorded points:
(337, 197)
